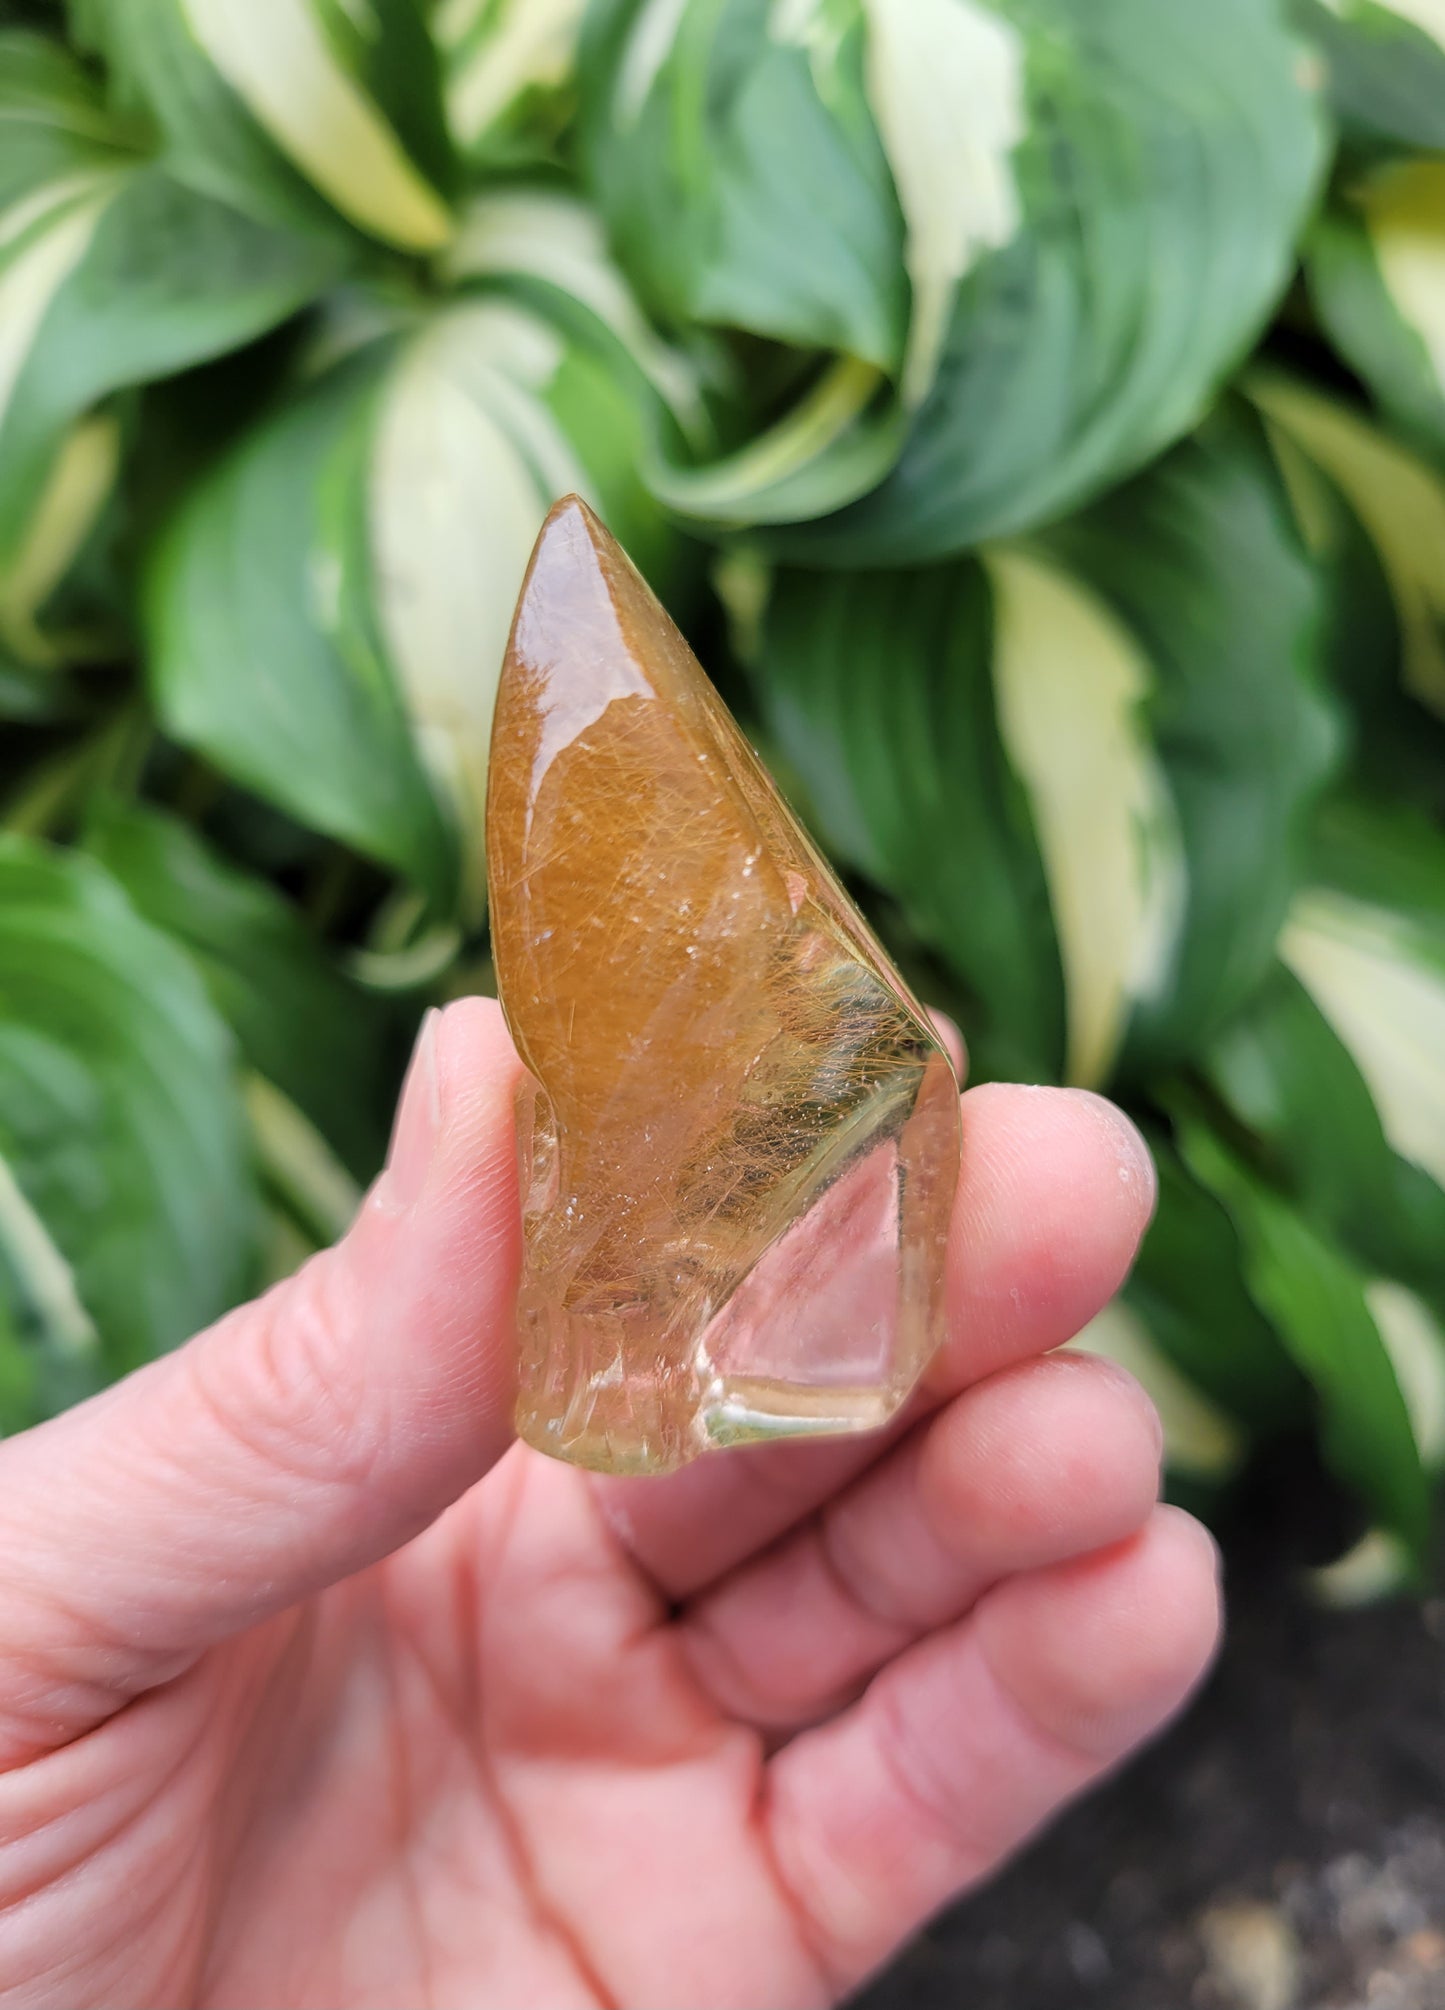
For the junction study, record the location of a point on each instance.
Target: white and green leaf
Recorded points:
(1414, 1339)
(1382, 988)
(1086, 807)
(302, 112)
(468, 459)
(549, 248)
(1385, 68)
(946, 86)
(1169, 157)
(1071, 684)
(1343, 471)
(372, 535)
(1335, 1065)
(877, 690)
(262, 642)
(492, 413)
(1087, 215)
(1201, 561)
(44, 236)
(741, 174)
(316, 1039)
(1201, 1442)
(1367, 941)
(127, 1209)
(112, 274)
(81, 482)
(509, 72)
(1316, 1300)
(1376, 268)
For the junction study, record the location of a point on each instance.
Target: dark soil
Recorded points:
(1282, 1849)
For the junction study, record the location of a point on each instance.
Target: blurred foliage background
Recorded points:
(1035, 413)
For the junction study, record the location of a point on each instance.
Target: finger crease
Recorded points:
(849, 1581)
(1072, 1755)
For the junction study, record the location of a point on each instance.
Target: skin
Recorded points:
(317, 1689)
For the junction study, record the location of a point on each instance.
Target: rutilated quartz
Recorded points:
(739, 1132)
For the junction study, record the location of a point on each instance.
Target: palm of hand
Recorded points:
(415, 1789)
(723, 1739)
(482, 1772)
(493, 1769)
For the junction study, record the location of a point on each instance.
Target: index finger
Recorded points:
(1056, 1191)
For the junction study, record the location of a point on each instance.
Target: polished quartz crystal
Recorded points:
(739, 1133)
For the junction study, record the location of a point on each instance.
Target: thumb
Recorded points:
(303, 1437)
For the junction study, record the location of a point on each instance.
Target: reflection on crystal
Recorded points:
(740, 1137)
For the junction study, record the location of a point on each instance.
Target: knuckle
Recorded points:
(864, 1572)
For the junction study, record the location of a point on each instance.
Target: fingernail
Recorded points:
(418, 1124)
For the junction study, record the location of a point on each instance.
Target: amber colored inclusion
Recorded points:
(740, 1135)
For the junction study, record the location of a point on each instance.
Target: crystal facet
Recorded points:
(739, 1134)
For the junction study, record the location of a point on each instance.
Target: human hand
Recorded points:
(316, 1689)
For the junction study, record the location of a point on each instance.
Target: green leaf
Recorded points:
(50, 1355)
(311, 1033)
(301, 112)
(1376, 274)
(1078, 767)
(1188, 1289)
(29, 694)
(838, 441)
(54, 123)
(730, 146)
(1315, 1299)
(1387, 855)
(302, 1173)
(127, 1209)
(262, 645)
(1385, 68)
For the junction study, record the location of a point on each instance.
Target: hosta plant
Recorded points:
(1037, 414)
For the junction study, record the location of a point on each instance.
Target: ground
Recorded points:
(1282, 1849)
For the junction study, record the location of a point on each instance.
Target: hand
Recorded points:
(314, 1690)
